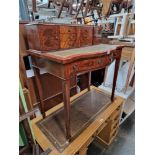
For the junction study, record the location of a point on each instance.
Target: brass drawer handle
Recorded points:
(75, 67)
(99, 61)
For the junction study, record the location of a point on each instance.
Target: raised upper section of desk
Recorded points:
(51, 36)
(70, 55)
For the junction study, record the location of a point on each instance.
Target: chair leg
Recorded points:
(34, 9)
(49, 3)
(81, 4)
(61, 7)
(86, 8)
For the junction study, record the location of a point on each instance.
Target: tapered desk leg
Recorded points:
(115, 77)
(66, 99)
(89, 80)
(39, 88)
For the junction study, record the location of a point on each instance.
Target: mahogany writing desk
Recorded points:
(68, 63)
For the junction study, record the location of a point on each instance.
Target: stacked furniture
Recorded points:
(64, 52)
(69, 39)
(44, 41)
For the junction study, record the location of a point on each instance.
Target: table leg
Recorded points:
(78, 10)
(86, 8)
(61, 8)
(89, 80)
(39, 88)
(49, 3)
(115, 77)
(66, 99)
(70, 8)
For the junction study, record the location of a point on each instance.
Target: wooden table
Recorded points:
(96, 129)
(68, 63)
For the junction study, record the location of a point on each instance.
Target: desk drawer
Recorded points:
(90, 64)
(115, 124)
(113, 134)
(115, 116)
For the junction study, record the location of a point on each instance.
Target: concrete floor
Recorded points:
(124, 143)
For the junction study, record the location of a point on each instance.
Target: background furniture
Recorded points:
(124, 26)
(25, 130)
(128, 54)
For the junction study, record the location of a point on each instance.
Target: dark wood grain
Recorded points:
(86, 36)
(97, 35)
(68, 37)
(46, 37)
(42, 37)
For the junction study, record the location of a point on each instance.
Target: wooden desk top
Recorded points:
(70, 55)
(84, 137)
